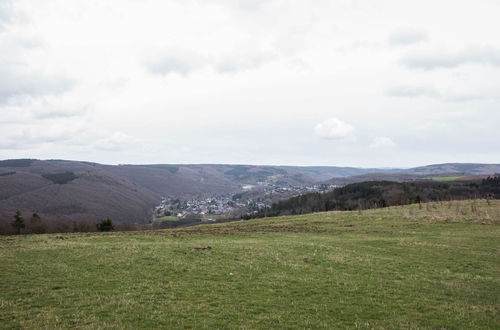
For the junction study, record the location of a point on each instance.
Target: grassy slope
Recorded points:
(447, 178)
(403, 267)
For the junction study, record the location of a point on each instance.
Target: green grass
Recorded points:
(447, 178)
(435, 265)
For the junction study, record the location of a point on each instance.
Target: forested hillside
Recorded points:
(374, 194)
(79, 190)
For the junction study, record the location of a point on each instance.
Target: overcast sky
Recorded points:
(366, 83)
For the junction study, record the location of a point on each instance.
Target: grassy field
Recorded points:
(447, 178)
(433, 265)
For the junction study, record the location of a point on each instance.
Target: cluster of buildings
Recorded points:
(298, 190)
(218, 206)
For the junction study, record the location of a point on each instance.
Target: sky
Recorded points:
(367, 83)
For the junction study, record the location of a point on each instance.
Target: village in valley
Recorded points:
(213, 207)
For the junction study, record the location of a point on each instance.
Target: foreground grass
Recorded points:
(435, 265)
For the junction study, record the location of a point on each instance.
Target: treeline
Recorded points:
(36, 224)
(376, 194)
(60, 178)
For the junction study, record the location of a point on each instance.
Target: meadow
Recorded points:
(433, 265)
(447, 178)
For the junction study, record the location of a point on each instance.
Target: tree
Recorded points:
(105, 225)
(35, 224)
(18, 222)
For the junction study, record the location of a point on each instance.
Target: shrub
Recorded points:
(105, 225)
(36, 225)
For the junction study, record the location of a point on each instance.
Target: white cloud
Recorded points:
(333, 129)
(241, 58)
(382, 142)
(232, 83)
(5, 13)
(21, 81)
(470, 55)
(417, 91)
(175, 61)
(118, 141)
(413, 91)
(404, 37)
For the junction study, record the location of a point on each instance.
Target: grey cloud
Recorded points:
(17, 82)
(469, 97)
(406, 37)
(243, 5)
(118, 141)
(431, 92)
(5, 13)
(478, 55)
(13, 145)
(50, 111)
(32, 136)
(413, 91)
(172, 64)
(241, 62)
(26, 140)
(186, 62)
(250, 4)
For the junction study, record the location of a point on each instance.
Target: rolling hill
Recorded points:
(127, 193)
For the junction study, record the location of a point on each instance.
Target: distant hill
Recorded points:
(73, 190)
(127, 193)
(421, 172)
(468, 168)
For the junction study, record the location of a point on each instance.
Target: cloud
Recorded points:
(19, 81)
(118, 141)
(32, 136)
(180, 62)
(241, 58)
(431, 92)
(242, 5)
(249, 5)
(412, 91)
(240, 61)
(52, 107)
(405, 37)
(5, 13)
(382, 142)
(333, 129)
(470, 55)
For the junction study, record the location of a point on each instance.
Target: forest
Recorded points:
(376, 194)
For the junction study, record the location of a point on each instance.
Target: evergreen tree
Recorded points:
(18, 222)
